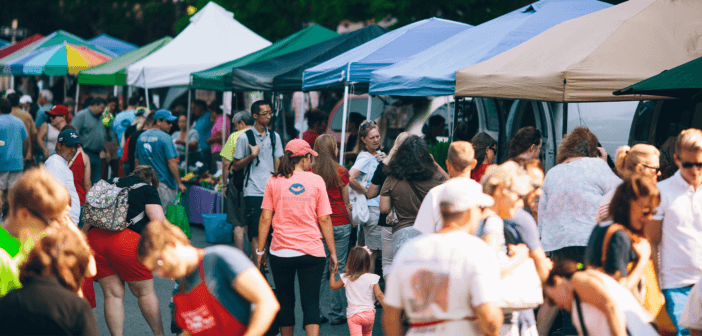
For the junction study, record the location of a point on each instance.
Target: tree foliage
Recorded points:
(143, 21)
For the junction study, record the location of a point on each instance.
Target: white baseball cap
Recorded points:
(25, 99)
(462, 193)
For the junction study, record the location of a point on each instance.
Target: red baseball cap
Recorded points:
(299, 147)
(58, 110)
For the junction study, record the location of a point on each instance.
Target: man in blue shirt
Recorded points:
(123, 120)
(14, 145)
(155, 148)
(45, 100)
(203, 125)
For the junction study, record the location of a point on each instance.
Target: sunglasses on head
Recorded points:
(367, 124)
(688, 165)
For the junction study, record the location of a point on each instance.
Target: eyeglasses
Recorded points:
(658, 169)
(688, 165)
(493, 148)
(266, 114)
(367, 124)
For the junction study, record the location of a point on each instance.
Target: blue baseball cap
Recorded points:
(164, 114)
(68, 137)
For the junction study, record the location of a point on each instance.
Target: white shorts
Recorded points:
(8, 179)
(461, 327)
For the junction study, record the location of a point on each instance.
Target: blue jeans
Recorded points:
(333, 303)
(675, 300)
(95, 165)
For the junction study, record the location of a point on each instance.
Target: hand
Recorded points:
(102, 154)
(182, 187)
(255, 150)
(333, 263)
(179, 141)
(518, 249)
(261, 260)
(643, 249)
(603, 153)
(380, 156)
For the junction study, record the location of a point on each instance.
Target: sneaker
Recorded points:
(339, 321)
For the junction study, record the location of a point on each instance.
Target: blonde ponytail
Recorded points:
(620, 159)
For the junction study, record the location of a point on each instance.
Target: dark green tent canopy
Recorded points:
(220, 77)
(260, 76)
(684, 81)
(114, 72)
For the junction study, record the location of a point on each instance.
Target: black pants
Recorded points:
(309, 271)
(252, 206)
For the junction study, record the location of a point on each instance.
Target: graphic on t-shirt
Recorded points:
(429, 287)
(297, 189)
(199, 319)
(147, 147)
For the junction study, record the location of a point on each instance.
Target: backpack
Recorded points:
(106, 206)
(240, 178)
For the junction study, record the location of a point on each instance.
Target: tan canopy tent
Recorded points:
(587, 58)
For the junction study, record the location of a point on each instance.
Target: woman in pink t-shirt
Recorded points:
(297, 205)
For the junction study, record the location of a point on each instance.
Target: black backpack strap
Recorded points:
(252, 141)
(273, 140)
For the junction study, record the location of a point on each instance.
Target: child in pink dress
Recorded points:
(361, 287)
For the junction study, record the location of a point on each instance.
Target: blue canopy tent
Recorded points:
(113, 44)
(356, 65)
(433, 72)
(4, 43)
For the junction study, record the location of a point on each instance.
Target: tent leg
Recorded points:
(368, 110)
(302, 114)
(343, 124)
(187, 130)
(12, 82)
(285, 123)
(147, 100)
(77, 97)
(449, 117)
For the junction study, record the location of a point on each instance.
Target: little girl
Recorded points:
(360, 288)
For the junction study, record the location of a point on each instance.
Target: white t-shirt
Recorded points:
(691, 317)
(58, 168)
(359, 293)
(428, 218)
(442, 277)
(681, 233)
(596, 321)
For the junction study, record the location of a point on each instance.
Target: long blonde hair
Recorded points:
(324, 164)
(628, 158)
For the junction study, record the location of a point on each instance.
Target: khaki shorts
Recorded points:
(8, 179)
(167, 195)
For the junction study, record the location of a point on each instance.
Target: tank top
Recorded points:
(78, 169)
(51, 138)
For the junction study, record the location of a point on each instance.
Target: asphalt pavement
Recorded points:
(134, 323)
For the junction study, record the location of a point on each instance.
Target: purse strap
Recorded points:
(608, 237)
(340, 207)
(580, 314)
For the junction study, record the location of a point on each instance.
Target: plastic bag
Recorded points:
(175, 213)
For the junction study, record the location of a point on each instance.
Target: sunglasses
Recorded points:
(657, 169)
(688, 165)
(367, 124)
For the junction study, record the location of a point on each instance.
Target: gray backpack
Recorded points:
(106, 207)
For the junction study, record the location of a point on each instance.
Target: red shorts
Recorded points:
(116, 253)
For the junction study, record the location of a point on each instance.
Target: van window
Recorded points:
(467, 120)
(675, 116)
(491, 116)
(644, 115)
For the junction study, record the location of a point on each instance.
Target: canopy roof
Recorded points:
(357, 64)
(113, 44)
(4, 43)
(684, 81)
(260, 76)
(587, 58)
(58, 60)
(433, 72)
(114, 72)
(4, 52)
(212, 38)
(56, 38)
(220, 77)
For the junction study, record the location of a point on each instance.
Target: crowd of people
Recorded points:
(477, 248)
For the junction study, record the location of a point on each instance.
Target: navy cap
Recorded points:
(164, 114)
(68, 137)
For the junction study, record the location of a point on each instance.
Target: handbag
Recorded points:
(175, 213)
(360, 204)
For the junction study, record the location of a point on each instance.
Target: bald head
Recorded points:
(461, 158)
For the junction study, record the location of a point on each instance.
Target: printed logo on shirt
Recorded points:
(198, 320)
(148, 148)
(297, 189)
(429, 288)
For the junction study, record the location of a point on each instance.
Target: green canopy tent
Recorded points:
(114, 72)
(219, 78)
(684, 81)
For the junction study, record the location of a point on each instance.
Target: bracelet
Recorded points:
(260, 252)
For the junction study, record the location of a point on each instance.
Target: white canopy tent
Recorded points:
(212, 38)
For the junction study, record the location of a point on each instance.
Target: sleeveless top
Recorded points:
(78, 169)
(51, 137)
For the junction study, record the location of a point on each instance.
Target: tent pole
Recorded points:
(114, 90)
(147, 98)
(368, 110)
(285, 124)
(224, 140)
(343, 125)
(75, 111)
(449, 116)
(302, 114)
(12, 82)
(187, 130)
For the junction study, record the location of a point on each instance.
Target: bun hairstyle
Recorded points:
(628, 158)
